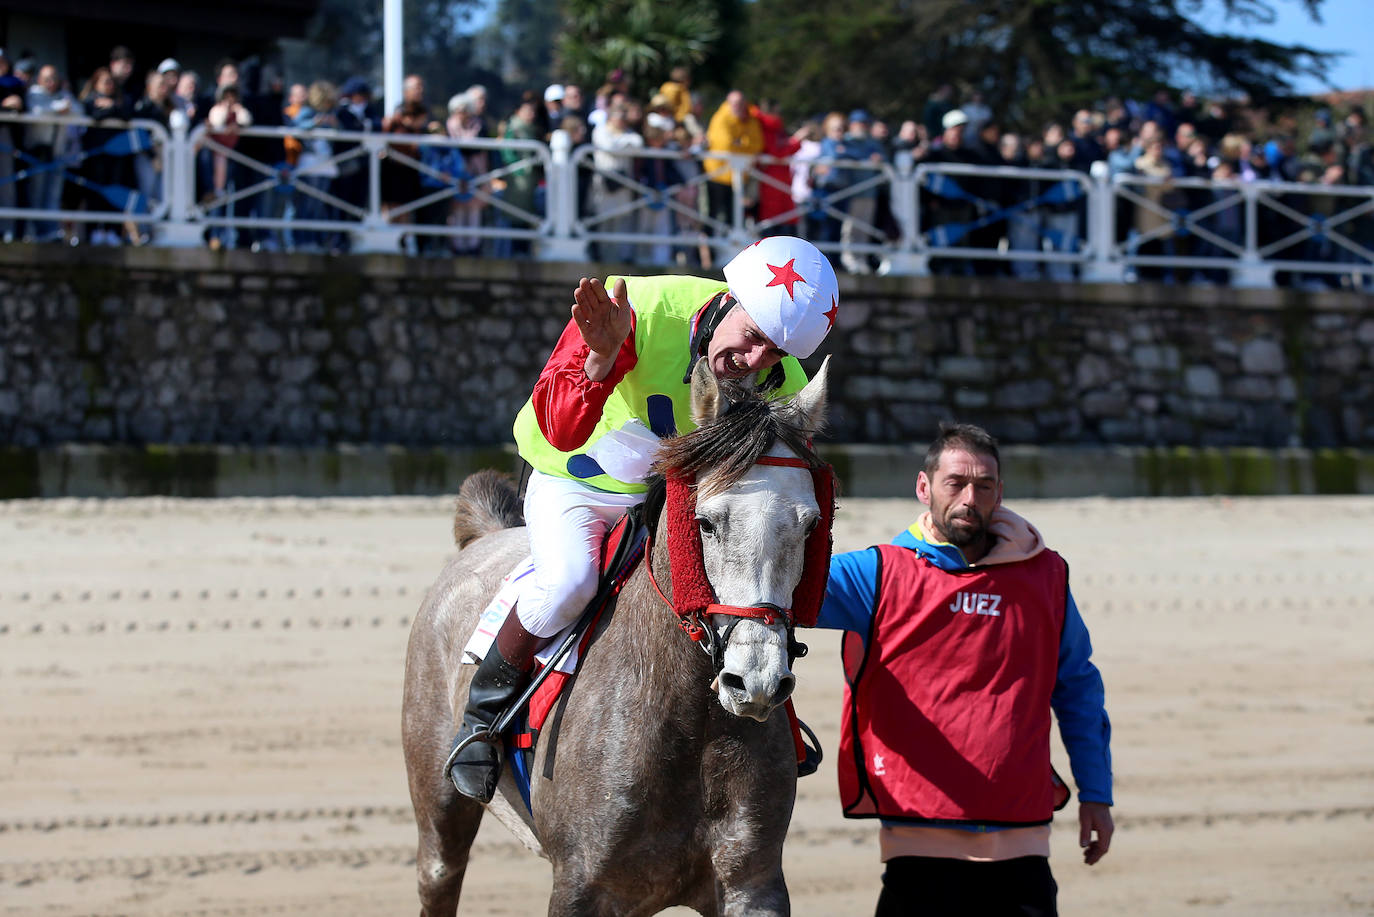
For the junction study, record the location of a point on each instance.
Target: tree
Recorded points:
(1032, 59)
(344, 39)
(517, 43)
(646, 38)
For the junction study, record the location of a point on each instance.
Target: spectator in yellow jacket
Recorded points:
(733, 129)
(678, 91)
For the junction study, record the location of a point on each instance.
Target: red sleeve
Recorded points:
(566, 403)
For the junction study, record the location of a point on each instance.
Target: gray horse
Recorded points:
(664, 783)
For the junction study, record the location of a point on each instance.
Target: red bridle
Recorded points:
(695, 600)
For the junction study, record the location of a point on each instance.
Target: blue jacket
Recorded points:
(1078, 698)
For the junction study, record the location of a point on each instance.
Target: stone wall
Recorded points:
(193, 346)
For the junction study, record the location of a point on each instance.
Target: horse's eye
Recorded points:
(705, 525)
(811, 526)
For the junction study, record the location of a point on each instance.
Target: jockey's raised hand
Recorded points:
(604, 322)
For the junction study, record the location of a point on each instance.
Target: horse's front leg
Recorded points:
(761, 896)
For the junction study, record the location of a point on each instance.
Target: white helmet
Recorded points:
(789, 289)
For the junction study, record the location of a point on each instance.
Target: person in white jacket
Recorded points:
(45, 142)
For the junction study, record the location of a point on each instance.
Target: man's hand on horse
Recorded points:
(604, 322)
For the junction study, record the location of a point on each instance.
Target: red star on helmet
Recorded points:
(785, 276)
(831, 313)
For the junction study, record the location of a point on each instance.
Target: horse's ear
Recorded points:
(811, 400)
(707, 401)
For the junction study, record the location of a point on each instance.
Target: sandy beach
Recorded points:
(201, 708)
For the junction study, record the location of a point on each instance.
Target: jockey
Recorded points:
(617, 381)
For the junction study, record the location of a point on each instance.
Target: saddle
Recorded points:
(621, 552)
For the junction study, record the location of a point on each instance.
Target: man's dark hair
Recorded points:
(966, 436)
(119, 52)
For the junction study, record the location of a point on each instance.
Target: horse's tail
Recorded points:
(487, 502)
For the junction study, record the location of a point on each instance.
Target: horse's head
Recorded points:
(755, 507)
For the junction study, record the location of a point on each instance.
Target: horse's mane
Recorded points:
(721, 452)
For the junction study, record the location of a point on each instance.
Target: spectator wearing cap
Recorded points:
(733, 129)
(13, 94)
(948, 211)
(356, 113)
(860, 207)
(170, 71)
(553, 106)
(677, 90)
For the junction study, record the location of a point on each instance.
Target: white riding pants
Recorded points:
(566, 521)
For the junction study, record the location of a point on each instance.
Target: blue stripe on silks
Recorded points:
(584, 466)
(661, 419)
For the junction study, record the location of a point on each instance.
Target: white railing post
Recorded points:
(1100, 266)
(906, 261)
(179, 230)
(740, 164)
(1252, 272)
(561, 195)
(375, 235)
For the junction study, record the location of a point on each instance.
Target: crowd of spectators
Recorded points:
(55, 167)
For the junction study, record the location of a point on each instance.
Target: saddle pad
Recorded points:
(614, 564)
(494, 615)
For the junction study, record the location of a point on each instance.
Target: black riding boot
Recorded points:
(498, 681)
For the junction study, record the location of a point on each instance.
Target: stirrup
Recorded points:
(812, 754)
(459, 746)
(478, 735)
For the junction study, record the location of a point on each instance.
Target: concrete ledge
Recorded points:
(864, 471)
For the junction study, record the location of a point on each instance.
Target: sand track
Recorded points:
(201, 709)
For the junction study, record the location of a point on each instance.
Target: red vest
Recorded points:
(947, 709)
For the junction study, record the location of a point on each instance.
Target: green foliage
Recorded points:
(1032, 59)
(645, 38)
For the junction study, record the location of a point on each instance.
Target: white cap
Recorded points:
(662, 122)
(789, 289)
(168, 64)
(554, 93)
(955, 118)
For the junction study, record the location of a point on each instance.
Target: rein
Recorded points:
(693, 613)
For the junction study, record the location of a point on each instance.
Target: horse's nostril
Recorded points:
(785, 686)
(732, 681)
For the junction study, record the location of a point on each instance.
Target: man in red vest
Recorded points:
(961, 637)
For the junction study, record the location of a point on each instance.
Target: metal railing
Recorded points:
(371, 192)
(116, 166)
